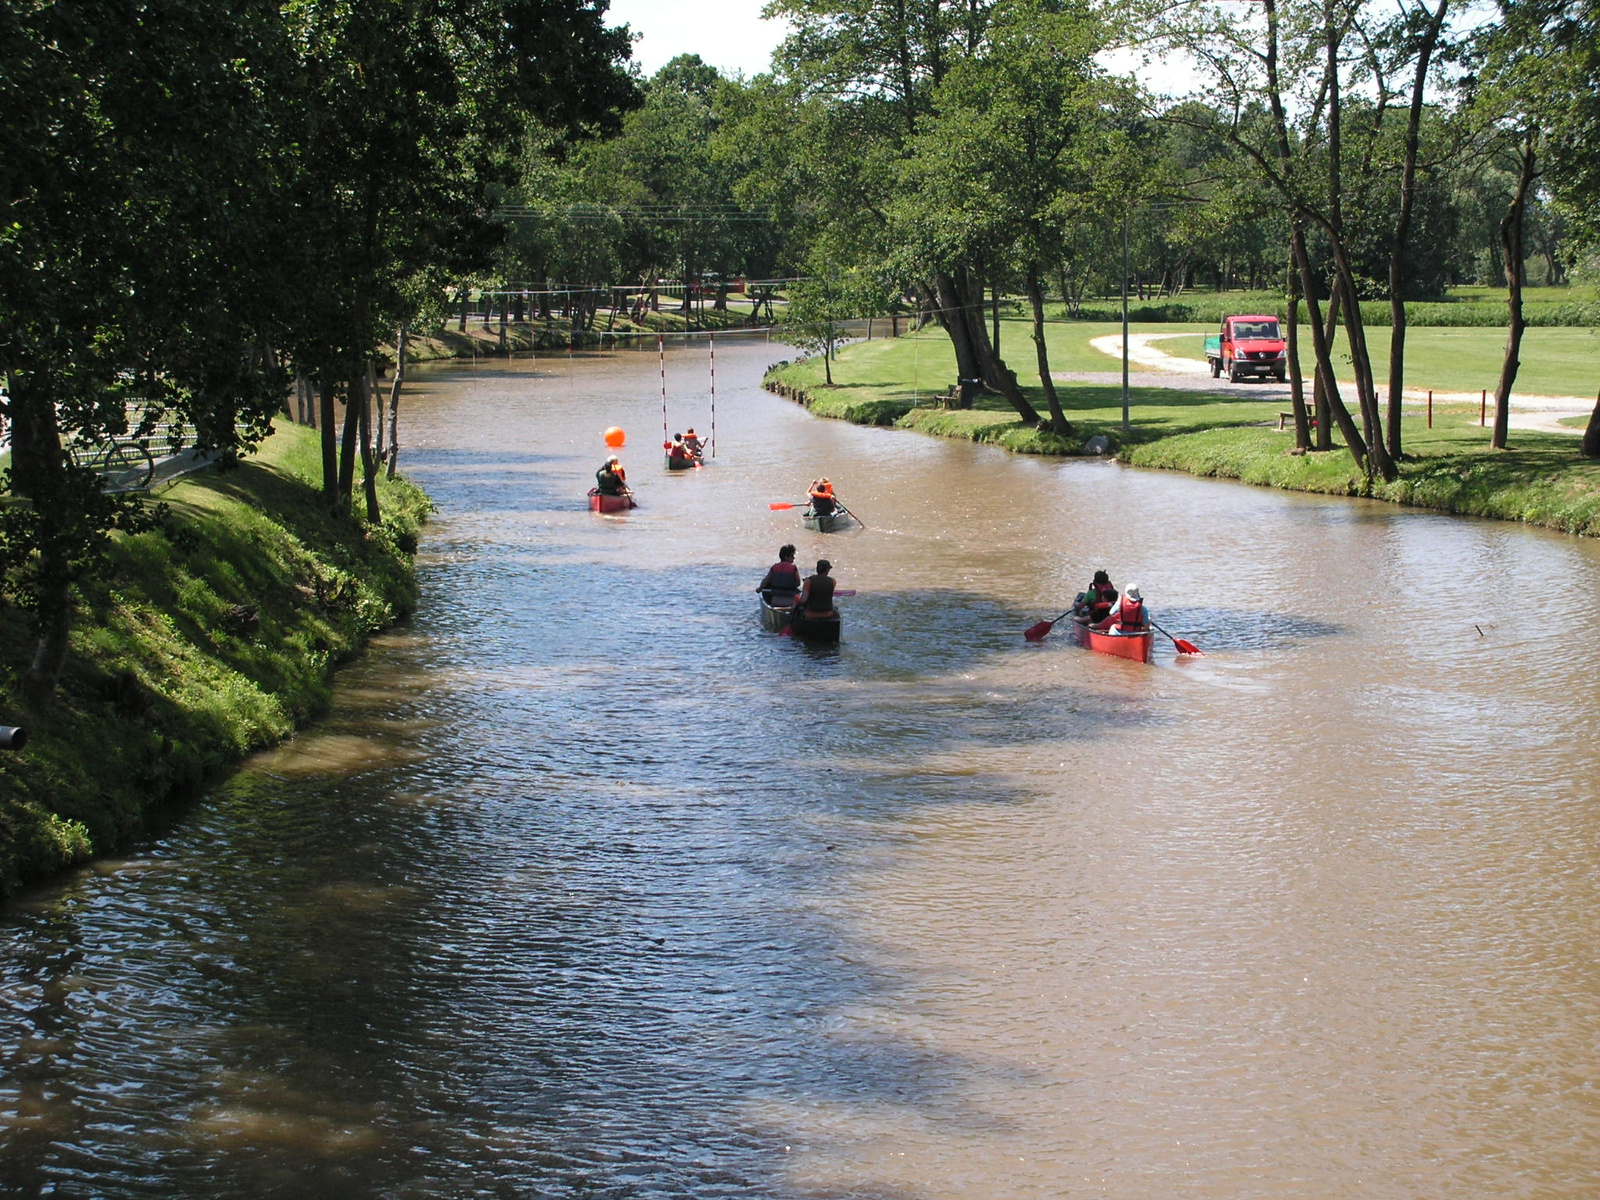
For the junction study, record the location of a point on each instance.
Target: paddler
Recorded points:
(693, 444)
(612, 479)
(1094, 603)
(821, 494)
(1129, 615)
(782, 580)
(816, 593)
(677, 450)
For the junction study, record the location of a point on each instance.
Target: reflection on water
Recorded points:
(592, 888)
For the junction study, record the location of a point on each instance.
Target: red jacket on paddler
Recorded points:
(822, 501)
(1130, 612)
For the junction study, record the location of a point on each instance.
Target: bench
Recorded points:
(1285, 417)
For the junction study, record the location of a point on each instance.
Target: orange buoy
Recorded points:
(615, 437)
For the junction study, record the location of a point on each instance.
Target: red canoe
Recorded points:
(1123, 645)
(609, 504)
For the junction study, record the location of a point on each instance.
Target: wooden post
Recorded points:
(1483, 407)
(1430, 408)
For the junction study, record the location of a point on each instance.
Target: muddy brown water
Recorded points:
(590, 888)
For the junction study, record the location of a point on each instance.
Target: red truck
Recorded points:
(1247, 346)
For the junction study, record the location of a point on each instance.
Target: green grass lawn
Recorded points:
(1228, 434)
(1555, 361)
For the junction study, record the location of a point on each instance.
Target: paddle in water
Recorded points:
(779, 505)
(1183, 645)
(852, 516)
(1035, 632)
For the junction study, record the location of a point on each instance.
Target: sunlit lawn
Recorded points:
(1554, 361)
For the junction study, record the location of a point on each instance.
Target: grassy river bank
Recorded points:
(211, 637)
(1229, 433)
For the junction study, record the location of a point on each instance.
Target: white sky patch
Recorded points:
(728, 34)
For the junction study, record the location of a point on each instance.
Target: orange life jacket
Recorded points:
(1130, 617)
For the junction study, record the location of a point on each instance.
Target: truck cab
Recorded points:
(1247, 346)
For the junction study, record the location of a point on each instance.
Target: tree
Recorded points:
(1017, 151)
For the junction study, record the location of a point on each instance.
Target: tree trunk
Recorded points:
(330, 445)
(1058, 419)
(1590, 446)
(1402, 231)
(1321, 348)
(962, 318)
(394, 403)
(369, 461)
(1361, 363)
(1511, 242)
(39, 474)
(355, 391)
(466, 303)
(372, 391)
(1297, 386)
(994, 309)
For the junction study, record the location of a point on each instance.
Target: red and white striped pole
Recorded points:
(661, 353)
(713, 341)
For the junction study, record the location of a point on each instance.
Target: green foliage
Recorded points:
(213, 636)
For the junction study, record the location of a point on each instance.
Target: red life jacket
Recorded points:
(1130, 618)
(1101, 597)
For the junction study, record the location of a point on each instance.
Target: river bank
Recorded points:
(213, 636)
(1233, 434)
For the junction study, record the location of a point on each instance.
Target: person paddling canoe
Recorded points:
(612, 479)
(781, 583)
(1095, 602)
(1129, 615)
(816, 593)
(822, 500)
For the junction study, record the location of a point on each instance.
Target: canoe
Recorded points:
(609, 504)
(774, 619)
(814, 629)
(1122, 645)
(681, 464)
(825, 523)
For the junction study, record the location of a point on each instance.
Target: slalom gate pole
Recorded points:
(713, 342)
(661, 353)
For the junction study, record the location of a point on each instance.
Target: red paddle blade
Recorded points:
(780, 505)
(1184, 646)
(1034, 632)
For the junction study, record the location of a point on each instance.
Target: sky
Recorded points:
(728, 34)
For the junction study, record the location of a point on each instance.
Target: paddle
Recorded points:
(851, 515)
(779, 506)
(1035, 632)
(1183, 645)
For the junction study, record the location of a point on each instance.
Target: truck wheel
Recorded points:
(1216, 367)
(1233, 373)
(1279, 376)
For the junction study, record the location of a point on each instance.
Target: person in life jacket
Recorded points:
(611, 478)
(1094, 604)
(781, 583)
(822, 501)
(677, 450)
(1129, 616)
(816, 593)
(693, 444)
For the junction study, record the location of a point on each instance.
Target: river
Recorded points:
(590, 888)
